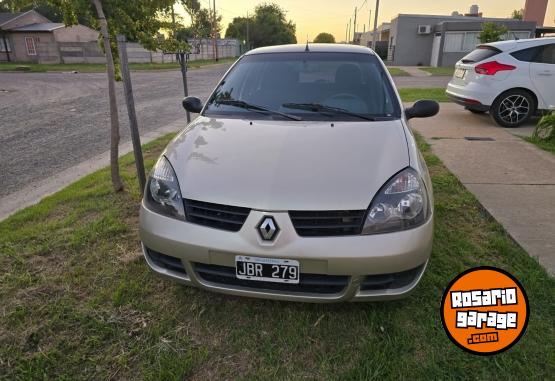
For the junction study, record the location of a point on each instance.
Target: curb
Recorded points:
(34, 193)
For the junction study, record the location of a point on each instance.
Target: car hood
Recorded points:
(287, 165)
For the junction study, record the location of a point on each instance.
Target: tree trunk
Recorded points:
(114, 119)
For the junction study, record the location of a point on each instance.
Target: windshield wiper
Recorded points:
(317, 107)
(250, 106)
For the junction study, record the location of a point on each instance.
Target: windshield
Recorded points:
(341, 86)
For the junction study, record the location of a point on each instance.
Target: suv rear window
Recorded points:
(481, 53)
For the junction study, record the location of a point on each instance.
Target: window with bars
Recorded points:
(30, 45)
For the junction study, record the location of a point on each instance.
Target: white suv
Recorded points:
(510, 79)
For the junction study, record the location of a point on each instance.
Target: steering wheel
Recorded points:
(344, 96)
(347, 100)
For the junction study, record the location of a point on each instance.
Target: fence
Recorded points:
(90, 52)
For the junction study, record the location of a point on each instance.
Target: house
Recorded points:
(382, 39)
(31, 37)
(432, 40)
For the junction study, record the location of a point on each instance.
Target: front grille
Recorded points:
(390, 281)
(308, 283)
(217, 216)
(166, 261)
(327, 223)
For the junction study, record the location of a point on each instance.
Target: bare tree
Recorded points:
(114, 119)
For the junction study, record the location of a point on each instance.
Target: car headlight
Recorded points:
(162, 193)
(401, 204)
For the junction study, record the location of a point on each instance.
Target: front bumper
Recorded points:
(358, 259)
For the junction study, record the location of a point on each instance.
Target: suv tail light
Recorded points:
(492, 67)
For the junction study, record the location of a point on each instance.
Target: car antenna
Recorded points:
(306, 48)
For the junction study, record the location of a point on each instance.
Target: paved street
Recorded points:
(52, 121)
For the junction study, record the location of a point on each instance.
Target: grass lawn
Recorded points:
(543, 144)
(93, 68)
(78, 302)
(396, 72)
(446, 71)
(414, 94)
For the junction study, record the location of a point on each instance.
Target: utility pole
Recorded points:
(248, 43)
(214, 31)
(369, 20)
(355, 25)
(375, 25)
(349, 34)
(173, 22)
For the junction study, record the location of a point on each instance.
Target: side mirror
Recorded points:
(423, 108)
(192, 104)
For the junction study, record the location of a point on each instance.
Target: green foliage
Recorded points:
(172, 45)
(410, 94)
(269, 26)
(545, 130)
(517, 14)
(326, 38)
(138, 20)
(492, 32)
(238, 29)
(201, 21)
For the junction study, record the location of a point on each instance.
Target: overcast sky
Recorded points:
(332, 16)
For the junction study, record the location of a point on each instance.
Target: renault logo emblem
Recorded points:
(268, 228)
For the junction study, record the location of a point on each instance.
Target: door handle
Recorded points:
(546, 74)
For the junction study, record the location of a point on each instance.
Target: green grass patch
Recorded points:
(443, 71)
(413, 94)
(95, 68)
(546, 145)
(78, 302)
(396, 72)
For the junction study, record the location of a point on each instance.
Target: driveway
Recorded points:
(53, 121)
(512, 179)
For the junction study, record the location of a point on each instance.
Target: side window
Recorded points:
(527, 55)
(547, 55)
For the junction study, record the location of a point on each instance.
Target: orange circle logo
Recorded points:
(485, 310)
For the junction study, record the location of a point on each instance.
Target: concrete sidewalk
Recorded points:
(512, 179)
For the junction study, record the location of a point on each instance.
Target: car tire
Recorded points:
(513, 108)
(475, 110)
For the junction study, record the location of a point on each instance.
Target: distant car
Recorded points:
(510, 79)
(300, 180)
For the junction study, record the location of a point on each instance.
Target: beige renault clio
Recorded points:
(299, 180)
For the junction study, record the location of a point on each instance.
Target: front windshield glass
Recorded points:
(307, 85)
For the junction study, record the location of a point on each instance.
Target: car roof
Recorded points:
(298, 48)
(511, 44)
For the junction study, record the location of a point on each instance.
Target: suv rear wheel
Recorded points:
(513, 108)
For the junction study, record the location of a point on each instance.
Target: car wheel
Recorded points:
(475, 110)
(513, 108)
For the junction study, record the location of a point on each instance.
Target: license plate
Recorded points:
(460, 73)
(267, 269)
